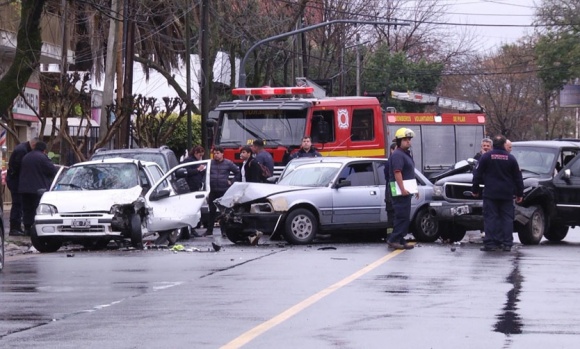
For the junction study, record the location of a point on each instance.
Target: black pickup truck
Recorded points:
(551, 172)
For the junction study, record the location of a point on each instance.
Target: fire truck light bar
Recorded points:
(272, 91)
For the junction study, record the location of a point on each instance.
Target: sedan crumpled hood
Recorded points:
(90, 200)
(243, 192)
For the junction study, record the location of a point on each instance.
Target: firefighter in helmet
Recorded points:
(401, 168)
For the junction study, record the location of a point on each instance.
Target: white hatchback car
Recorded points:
(94, 202)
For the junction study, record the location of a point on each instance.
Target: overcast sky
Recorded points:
(494, 12)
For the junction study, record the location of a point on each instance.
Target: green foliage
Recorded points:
(178, 140)
(387, 71)
(558, 59)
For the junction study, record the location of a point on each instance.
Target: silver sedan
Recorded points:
(330, 195)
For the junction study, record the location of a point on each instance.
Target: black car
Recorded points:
(551, 193)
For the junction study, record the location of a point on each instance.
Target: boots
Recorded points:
(16, 230)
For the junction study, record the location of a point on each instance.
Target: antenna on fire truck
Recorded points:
(441, 102)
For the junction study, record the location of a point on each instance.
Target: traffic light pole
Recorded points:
(242, 82)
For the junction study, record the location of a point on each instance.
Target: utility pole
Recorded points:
(188, 76)
(63, 70)
(205, 73)
(357, 65)
(108, 85)
(127, 99)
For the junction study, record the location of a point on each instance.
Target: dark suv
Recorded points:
(163, 156)
(551, 173)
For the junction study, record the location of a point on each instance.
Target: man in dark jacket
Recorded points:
(12, 182)
(250, 170)
(500, 174)
(262, 156)
(37, 172)
(306, 150)
(196, 173)
(219, 182)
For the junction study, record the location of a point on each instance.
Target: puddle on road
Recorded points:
(509, 322)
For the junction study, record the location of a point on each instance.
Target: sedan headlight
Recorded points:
(438, 191)
(263, 207)
(46, 209)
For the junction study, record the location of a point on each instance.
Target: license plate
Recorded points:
(81, 223)
(460, 210)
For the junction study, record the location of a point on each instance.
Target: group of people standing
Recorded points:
(257, 165)
(497, 170)
(29, 170)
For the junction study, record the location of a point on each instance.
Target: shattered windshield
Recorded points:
(538, 160)
(311, 175)
(101, 176)
(275, 127)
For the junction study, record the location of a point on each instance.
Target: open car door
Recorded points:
(172, 203)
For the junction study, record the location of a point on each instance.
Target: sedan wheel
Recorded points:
(44, 244)
(301, 227)
(235, 236)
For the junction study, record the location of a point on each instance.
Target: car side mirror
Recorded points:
(567, 174)
(343, 183)
(159, 194)
(181, 173)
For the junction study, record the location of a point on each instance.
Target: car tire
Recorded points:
(451, 232)
(426, 228)
(184, 233)
(136, 231)
(173, 236)
(301, 227)
(557, 232)
(95, 244)
(533, 231)
(236, 236)
(44, 244)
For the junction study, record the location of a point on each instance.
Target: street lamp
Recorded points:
(242, 82)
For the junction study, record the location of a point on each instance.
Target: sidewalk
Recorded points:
(18, 240)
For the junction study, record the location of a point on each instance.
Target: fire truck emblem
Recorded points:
(342, 119)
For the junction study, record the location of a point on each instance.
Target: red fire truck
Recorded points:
(341, 126)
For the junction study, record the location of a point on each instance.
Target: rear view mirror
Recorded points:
(159, 194)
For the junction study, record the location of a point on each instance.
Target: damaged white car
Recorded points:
(95, 202)
(330, 195)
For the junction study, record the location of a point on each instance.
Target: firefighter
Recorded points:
(401, 168)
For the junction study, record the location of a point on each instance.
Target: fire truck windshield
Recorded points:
(275, 127)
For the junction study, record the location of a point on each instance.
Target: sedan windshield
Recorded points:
(98, 177)
(311, 175)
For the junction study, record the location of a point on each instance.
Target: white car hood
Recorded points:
(242, 192)
(90, 200)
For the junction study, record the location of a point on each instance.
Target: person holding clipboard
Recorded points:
(403, 185)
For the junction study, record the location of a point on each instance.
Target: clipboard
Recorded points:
(409, 184)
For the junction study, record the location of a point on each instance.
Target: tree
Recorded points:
(26, 58)
(386, 71)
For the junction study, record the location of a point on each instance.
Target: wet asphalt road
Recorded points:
(333, 294)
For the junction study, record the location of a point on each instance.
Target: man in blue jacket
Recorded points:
(37, 172)
(500, 174)
(306, 150)
(12, 182)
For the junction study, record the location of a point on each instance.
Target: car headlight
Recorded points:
(46, 209)
(263, 207)
(438, 191)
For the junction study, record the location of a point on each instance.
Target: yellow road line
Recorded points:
(248, 336)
